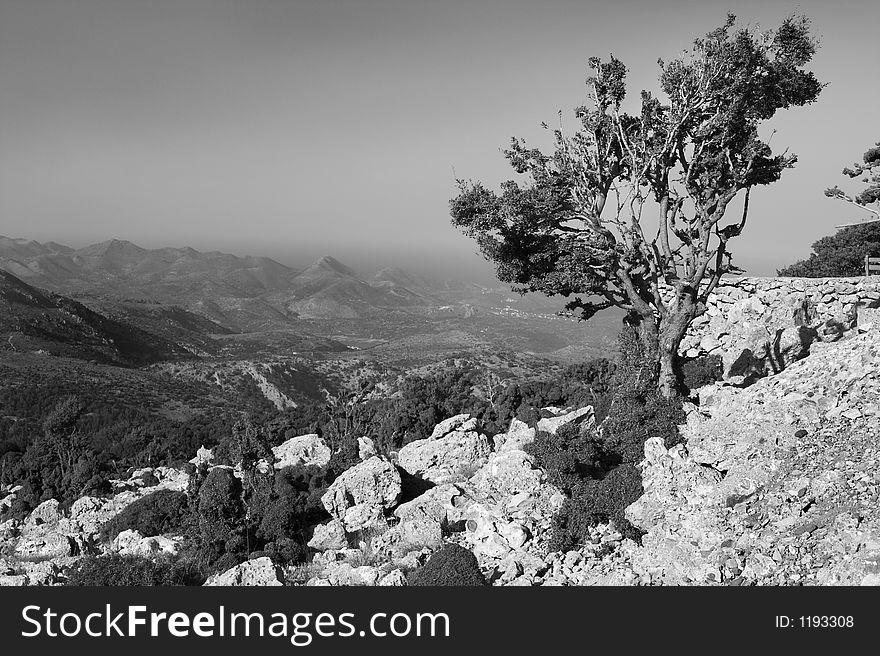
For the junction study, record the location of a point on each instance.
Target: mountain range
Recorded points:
(241, 293)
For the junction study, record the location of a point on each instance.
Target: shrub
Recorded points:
(157, 513)
(221, 514)
(452, 565)
(569, 456)
(284, 507)
(597, 501)
(701, 371)
(113, 569)
(637, 416)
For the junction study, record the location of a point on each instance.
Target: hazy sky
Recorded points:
(299, 128)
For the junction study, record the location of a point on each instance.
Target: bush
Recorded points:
(634, 418)
(701, 371)
(597, 501)
(839, 255)
(155, 514)
(221, 515)
(600, 472)
(113, 569)
(569, 456)
(452, 565)
(283, 508)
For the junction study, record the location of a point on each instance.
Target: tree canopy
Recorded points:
(869, 172)
(576, 224)
(843, 254)
(839, 255)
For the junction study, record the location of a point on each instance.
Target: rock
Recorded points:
(203, 457)
(438, 503)
(454, 456)
(304, 450)
(329, 536)
(415, 533)
(509, 473)
(13, 580)
(362, 494)
(257, 572)
(366, 448)
(516, 438)
(461, 423)
(132, 543)
(553, 424)
(46, 513)
(46, 547)
(144, 477)
(395, 578)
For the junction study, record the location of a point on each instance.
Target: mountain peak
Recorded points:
(329, 264)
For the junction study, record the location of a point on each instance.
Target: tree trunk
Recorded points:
(671, 333)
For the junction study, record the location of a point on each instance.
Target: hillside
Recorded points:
(35, 320)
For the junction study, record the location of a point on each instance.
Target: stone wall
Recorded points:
(759, 325)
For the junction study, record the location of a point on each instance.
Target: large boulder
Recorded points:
(47, 513)
(303, 450)
(560, 419)
(517, 436)
(257, 572)
(362, 494)
(132, 543)
(329, 537)
(453, 452)
(460, 423)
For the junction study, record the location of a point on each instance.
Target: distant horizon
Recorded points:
(371, 264)
(301, 263)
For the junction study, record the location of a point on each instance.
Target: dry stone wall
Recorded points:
(760, 325)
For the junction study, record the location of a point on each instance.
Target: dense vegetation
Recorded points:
(452, 565)
(839, 255)
(598, 469)
(71, 445)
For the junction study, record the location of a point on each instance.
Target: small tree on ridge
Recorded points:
(578, 225)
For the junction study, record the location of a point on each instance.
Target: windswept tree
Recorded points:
(843, 253)
(579, 224)
(869, 172)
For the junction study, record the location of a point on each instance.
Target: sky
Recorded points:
(295, 129)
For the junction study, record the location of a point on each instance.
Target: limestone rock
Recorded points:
(553, 424)
(257, 572)
(329, 536)
(366, 448)
(132, 543)
(303, 450)
(203, 457)
(362, 494)
(461, 423)
(46, 513)
(454, 456)
(517, 436)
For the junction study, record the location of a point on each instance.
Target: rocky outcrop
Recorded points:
(329, 537)
(362, 494)
(761, 325)
(257, 572)
(452, 452)
(561, 418)
(776, 483)
(305, 450)
(132, 543)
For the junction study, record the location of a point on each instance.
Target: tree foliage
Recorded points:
(869, 171)
(843, 253)
(577, 226)
(839, 255)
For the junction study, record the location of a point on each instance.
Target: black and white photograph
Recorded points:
(454, 293)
